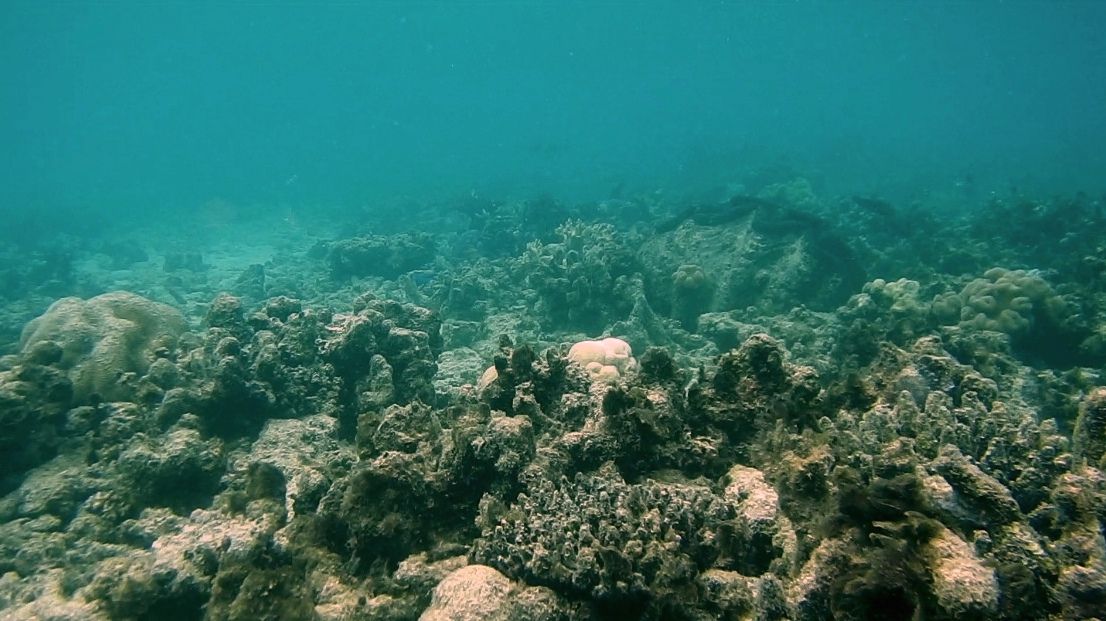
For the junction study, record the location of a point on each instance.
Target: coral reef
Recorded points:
(787, 443)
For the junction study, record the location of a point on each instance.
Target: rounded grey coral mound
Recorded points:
(105, 340)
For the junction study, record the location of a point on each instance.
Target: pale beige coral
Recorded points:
(606, 360)
(104, 338)
(603, 372)
(489, 376)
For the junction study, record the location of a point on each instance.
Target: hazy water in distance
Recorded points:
(131, 110)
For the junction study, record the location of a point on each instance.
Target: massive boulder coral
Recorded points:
(901, 301)
(106, 341)
(1009, 301)
(693, 292)
(480, 593)
(1043, 323)
(1056, 326)
(606, 359)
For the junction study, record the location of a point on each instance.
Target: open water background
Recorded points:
(128, 111)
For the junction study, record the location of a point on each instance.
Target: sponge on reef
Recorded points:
(104, 338)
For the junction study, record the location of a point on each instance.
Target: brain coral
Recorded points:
(104, 338)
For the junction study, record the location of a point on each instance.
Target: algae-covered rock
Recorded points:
(387, 507)
(582, 282)
(770, 252)
(106, 341)
(226, 312)
(375, 255)
(760, 524)
(33, 402)
(179, 470)
(962, 585)
(754, 386)
(308, 456)
(407, 337)
(1089, 438)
